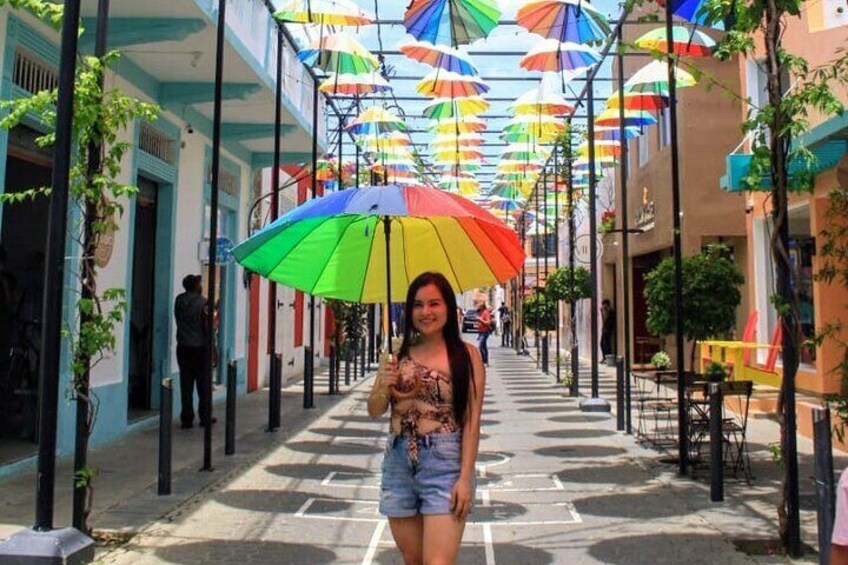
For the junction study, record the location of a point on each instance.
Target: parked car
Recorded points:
(469, 321)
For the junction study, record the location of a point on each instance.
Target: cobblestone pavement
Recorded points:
(555, 486)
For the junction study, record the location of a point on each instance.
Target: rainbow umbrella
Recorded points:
(603, 150)
(390, 139)
(685, 43)
(376, 120)
(507, 204)
(451, 22)
(467, 124)
(455, 108)
(644, 102)
(653, 79)
(339, 53)
(614, 133)
(326, 12)
(461, 155)
(632, 118)
(694, 11)
(552, 56)
(336, 245)
(576, 21)
(462, 139)
(448, 84)
(539, 101)
(439, 56)
(354, 85)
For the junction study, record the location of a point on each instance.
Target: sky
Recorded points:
(502, 38)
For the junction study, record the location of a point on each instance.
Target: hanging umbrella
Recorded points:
(632, 118)
(512, 165)
(462, 139)
(448, 84)
(507, 204)
(461, 155)
(614, 133)
(539, 101)
(466, 124)
(339, 53)
(451, 22)
(552, 56)
(390, 139)
(653, 79)
(440, 57)
(326, 12)
(576, 21)
(354, 85)
(336, 246)
(685, 42)
(644, 102)
(376, 120)
(603, 149)
(442, 108)
(694, 11)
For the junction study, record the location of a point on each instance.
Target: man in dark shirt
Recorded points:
(190, 313)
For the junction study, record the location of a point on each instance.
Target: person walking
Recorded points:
(190, 311)
(506, 327)
(607, 328)
(434, 389)
(484, 328)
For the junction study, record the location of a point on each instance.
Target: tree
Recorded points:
(99, 116)
(558, 284)
(540, 313)
(711, 295)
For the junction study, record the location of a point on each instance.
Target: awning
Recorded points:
(828, 142)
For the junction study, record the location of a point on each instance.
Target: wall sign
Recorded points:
(645, 216)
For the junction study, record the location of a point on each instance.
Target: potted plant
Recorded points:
(607, 223)
(716, 373)
(558, 284)
(540, 313)
(661, 360)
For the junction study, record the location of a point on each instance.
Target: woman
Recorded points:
(435, 391)
(484, 328)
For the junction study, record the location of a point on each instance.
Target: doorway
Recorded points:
(644, 344)
(143, 300)
(23, 241)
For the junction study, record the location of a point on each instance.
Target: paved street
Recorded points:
(555, 486)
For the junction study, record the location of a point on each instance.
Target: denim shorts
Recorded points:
(408, 489)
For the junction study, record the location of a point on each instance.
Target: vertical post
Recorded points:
(213, 230)
(308, 351)
(557, 187)
(625, 236)
(545, 365)
(362, 357)
(716, 444)
(166, 393)
(545, 340)
(823, 476)
(347, 367)
(520, 327)
(682, 438)
(54, 274)
(230, 430)
(537, 286)
(619, 394)
(593, 235)
(574, 389)
(387, 227)
(274, 380)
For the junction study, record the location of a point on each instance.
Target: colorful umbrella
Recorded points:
(462, 139)
(614, 133)
(355, 85)
(694, 11)
(335, 246)
(632, 118)
(603, 150)
(653, 79)
(326, 12)
(448, 84)
(646, 102)
(376, 120)
(576, 21)
(461, 155)
(451, 22)
(439, 56)
(442, 108)
(466, 124)
(339, 53)
(686, 43)
(539, 101)
(552, 56)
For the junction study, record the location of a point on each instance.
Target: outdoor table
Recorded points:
(649, 385)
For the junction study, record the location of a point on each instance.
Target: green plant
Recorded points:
(661, 360)
(350, 325)
(540, 313)
(711, 295)
(558, 284)
(715, 373)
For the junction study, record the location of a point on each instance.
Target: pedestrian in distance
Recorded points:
(190, 311)
(506, 327)
(607, 328)
(434, 389)
(484, 329)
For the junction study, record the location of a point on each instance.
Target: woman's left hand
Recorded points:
(462, 497)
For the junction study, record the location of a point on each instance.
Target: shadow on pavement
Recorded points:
(548, 400)
(314, 471)
(607, 474)
(348, 432)
(254, 552)
(574, 434)
(580, 451)
(578, 418)
(504, 553)
(354, 418)
(326, 448)
(650, 505)
(654, 549)
(546, 409)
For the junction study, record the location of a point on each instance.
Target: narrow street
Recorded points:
(555, 486)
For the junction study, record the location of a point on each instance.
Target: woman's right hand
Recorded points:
(387, 373)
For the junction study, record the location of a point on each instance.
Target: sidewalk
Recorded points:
(555, 485)
(125, 498)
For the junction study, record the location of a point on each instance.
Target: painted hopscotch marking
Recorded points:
(508, 483)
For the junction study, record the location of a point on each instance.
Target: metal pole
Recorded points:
(83, 412)
(545, 343)
(537, 286)
(716, 441)
(823, 476)
(213, 231)
(625, 240)
(387, 227)
(682, 437)
(308, 352)
(521, 328)
(574, 390)
(54, 274)
(165, 421)
(275, 377)
(230, 429)
(557, 186)
(593, 237)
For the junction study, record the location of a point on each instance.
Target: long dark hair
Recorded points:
(458, 357)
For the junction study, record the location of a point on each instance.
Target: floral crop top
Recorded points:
(426, 386)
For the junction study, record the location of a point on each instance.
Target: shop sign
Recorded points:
(645, 216)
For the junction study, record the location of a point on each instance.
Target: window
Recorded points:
(644, 155)
(664, 128)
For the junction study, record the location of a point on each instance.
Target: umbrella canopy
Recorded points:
(609, 133)
(467, 124)
(694, 11)
(339, 53)
(335, 245)
(643, 102)
(603, 149)
(539, 101)
(576, 21)
(552, 56)
(442, 108)
(439, 56)
(632, 118)
(354, 85)
(685, 42)
(448, 84)
(463, 139)
(326, 12)
(653, 79)
(451, 22)
(376, 120)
